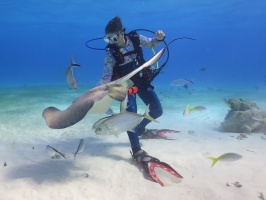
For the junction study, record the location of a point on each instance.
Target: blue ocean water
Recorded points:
(38, 39)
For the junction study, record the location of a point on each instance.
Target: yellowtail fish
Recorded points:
(119, 123)
(72, 83)
(188, 109)
(226, 102)
(226, 157)
(259, 118)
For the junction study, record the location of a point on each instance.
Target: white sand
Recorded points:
(32, 174)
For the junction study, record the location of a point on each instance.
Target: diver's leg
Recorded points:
(133, 136)
(142, 158)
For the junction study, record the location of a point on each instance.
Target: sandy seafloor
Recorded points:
(32, 174)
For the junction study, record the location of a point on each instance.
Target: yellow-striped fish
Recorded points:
(226, 157)
(188, 109)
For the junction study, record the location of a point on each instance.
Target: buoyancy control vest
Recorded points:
(143, 77)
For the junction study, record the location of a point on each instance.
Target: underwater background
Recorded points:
(38, 39)
(225, 61)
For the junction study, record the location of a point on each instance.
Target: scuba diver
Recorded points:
(123, 55)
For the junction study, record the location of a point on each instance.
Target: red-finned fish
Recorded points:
(70, 75)
(188, 109)
(226, 157)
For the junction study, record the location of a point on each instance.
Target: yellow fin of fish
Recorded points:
(147, 116)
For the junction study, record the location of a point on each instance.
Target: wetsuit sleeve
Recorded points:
(109, 63)
(148, 42)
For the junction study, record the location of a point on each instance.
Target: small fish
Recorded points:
(191, 132)
(203, 69)
(54, 152)
(237, 184)
(226, 102)
(188, 109)
(181, 82)
(259, 118)
(70, 75)
(226, 157)
(210, 88)
(80, 148)
(119, 123)
(85, 175)
(255, 125)
(256, 87)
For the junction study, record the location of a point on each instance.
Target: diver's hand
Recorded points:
(159, 35)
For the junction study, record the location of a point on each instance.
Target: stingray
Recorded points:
(59, 119)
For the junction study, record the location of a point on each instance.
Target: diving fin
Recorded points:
(157, 134)
(164, 174)
(156, 170)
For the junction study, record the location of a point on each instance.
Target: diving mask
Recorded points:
(111, 38)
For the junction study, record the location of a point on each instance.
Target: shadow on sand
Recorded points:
(57, 170)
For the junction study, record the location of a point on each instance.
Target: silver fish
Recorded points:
(119, 123)
(199, 108)
(72, 83)
(181, 82)
(123, 106)
(80, 148)
(97, 123)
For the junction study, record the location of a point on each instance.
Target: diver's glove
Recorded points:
(149, 163)
(159, 35)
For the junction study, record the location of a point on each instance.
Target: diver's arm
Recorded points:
(109, 63)
(148, 42)
(152, 42)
